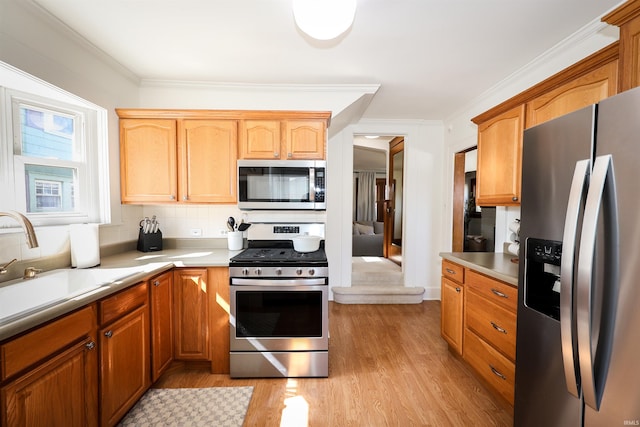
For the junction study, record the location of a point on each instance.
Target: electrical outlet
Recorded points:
(223, 232)
(196, 232)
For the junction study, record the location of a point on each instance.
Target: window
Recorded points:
(56, 167)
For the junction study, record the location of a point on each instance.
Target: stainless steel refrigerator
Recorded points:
(578, 335)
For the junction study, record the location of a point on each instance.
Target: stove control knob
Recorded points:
(278, 271)
(311, 272)
(299, 272)
(258, 271)
(245, 271)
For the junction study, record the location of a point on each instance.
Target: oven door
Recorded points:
(279, 314)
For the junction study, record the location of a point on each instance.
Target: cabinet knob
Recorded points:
(172, 197)
(289, 155)
(156, 283)
(276, 155)
(90, 345)
(108, 334)
(185, 198)
(458, 290)
(515, 199)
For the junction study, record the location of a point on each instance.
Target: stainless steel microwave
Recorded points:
(281, 184)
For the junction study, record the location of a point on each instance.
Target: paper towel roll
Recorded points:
(85, 245)
(514, 249)
(515, 227)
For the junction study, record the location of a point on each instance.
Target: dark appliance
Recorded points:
(578, 319)
(282, 184)
(279, 305)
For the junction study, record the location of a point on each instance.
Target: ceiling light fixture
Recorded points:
(324, 19)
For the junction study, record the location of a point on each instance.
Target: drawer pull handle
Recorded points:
(450, 271)
(497, 373)
(498, 328)
(498, 293)
(90, 345)
(108, 334)
(458, 290)
(156, 283)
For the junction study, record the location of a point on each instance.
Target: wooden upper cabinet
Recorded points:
(260, 139)
(500, 159)
(207, 161)
(589, 89)
(304, 140)
(627, 17)
(148, 163)
(283, 139)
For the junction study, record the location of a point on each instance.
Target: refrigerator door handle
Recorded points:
(593, 367)
(574, 205)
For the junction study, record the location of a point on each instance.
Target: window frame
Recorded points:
(92, 195)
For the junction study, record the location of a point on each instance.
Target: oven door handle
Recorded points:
(267, 283)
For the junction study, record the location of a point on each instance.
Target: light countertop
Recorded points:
(114, 273)
(494, 264)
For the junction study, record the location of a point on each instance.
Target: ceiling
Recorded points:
(430, 57)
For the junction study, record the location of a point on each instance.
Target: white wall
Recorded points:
(461, 133)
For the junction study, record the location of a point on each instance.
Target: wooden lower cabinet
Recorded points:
(60, 392)
(191, 303)
(452, 314)
(50, 374)
(124, 354)
(490, 331)
(495, 369)
(478, 321)
(161, 303)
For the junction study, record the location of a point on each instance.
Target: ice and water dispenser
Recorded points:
(542, 276)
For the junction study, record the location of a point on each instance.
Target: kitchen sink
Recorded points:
(21, 297)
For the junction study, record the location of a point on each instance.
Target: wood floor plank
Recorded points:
(388, 366)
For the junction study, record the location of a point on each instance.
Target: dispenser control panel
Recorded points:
(546, 251)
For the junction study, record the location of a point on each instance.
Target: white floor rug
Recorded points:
(191, 407)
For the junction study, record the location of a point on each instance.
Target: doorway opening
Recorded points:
(474, 227)
(377, 212)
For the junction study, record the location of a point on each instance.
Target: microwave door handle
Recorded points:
(312, 184)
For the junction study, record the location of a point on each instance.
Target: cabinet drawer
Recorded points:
(33, 347)
(452, 271)
(493, 367)
(495, 291)
(492, 322)
(122, 303)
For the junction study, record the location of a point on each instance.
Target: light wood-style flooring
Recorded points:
(388, 366)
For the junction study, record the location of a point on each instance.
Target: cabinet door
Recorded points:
(208, 152)
(191, 314)
(451, 313)
(219, 299)
(500, 159)
(260, 139)
(60, 392)
(148, 164)
(124, 364)
(161, 291)
(589, 89)
(304, 140)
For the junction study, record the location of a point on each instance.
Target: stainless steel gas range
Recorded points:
(279, 305)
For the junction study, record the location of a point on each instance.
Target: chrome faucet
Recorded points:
(26, 225)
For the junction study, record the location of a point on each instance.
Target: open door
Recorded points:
(393, 205)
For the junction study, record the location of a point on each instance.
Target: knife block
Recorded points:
(149, 242)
